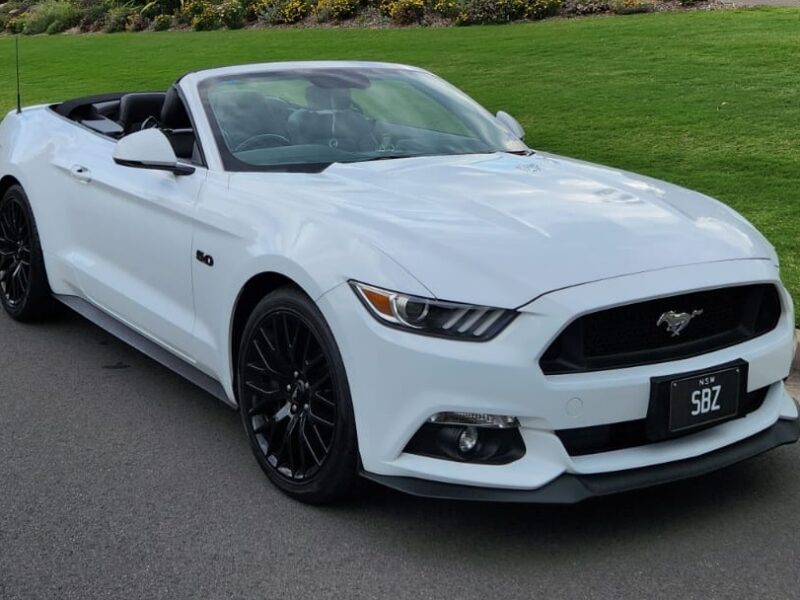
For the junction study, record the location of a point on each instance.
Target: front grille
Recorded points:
(628, 336)
(630, 434)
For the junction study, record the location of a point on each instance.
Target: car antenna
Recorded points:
(19, 102)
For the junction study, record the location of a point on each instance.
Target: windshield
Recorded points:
(308, 119)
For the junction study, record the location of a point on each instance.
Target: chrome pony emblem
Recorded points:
(677, 321)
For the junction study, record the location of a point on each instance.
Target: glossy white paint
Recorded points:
(149, 148)
(552, 236)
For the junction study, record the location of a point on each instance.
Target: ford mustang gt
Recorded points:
(387, 282)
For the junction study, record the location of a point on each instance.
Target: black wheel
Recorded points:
(24, 291)
(295, 401)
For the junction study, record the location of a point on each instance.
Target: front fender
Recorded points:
(315, 262)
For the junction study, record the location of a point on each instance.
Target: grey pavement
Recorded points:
(120, 480)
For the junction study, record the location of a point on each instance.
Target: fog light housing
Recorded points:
(469, 437)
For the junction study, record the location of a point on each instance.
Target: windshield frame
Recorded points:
(231, 163)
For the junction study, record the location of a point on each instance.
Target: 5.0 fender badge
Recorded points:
(204, 258)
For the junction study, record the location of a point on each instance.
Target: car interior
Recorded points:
(320, 124)
(117, 115)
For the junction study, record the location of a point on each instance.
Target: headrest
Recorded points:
(137, 107)
(174, 115)
(319, 98)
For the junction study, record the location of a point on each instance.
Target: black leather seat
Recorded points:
(173, 112)
(177, 126)
(243, 115)
(135, 109)
(331, 120)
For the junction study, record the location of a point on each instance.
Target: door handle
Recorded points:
(80, 173)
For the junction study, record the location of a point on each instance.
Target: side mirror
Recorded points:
(510, 124)
(149, 149)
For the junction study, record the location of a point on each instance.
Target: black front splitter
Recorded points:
(569, 489)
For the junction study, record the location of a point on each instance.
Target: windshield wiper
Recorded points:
(385, 157)
(396, 156)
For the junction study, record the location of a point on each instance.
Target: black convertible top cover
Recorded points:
(67, 108)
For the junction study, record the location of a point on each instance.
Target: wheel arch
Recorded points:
(7, 182)
(251, 293)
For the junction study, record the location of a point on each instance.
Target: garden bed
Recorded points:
(77, 16)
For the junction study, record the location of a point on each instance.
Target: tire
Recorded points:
(24, 291)
(295, 401)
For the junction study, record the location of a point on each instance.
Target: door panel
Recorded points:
(131, 242)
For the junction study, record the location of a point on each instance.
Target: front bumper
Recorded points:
(570, 489)
(398, 380)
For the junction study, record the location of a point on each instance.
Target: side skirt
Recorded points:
(145, 346)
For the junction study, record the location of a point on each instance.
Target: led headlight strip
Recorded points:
(433, 317)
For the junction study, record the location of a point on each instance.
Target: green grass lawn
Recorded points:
(709, 100)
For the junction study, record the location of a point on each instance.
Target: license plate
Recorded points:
(706, 398)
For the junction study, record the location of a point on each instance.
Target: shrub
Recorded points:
(117, 19)
(190, 9)
(94, 15)
(162, 22)
(473, 12)
(16, 24)
(406, 12)
(232, 14)
(137, 22)
(279, 12)
(252, 9)
(42, 16)
(627, 7)
(335, 10)
(55, 27)
(540, 9)
(154, 8)
(585, 7)
(207, 19)
(445, 8)
(206, 15)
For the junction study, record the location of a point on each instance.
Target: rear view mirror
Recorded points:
(510, 124)
(149, 149)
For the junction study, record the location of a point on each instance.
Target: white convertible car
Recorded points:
(386, 281)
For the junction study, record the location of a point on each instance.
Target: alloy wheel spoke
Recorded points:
(22, 276)
(318, 435)
(289, 340)
(316, 418)
(264, 399)
(266, 427)
(6, 227)
(323, 399)
(317, 385)
(308, 444)
(271, 355)
(288, 395)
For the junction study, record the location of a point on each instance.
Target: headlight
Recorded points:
(433, 317)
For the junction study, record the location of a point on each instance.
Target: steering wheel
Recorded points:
(262, 140)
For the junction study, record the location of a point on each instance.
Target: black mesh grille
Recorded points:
(628, 336)
(630, 434)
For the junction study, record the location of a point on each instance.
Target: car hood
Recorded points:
(502, 229)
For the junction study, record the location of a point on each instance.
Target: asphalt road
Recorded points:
(120, 480)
